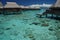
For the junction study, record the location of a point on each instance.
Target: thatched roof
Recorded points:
(57, 4)
(11, 5)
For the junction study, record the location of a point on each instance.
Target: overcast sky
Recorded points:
(29, 2)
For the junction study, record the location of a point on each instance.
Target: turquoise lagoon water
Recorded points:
(26, 26)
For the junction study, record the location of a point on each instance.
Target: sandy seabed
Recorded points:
(27, 26)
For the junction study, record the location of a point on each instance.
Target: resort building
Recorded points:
(11, 5)
(54, 10)
(14, 8)
(11, 8)
(57, 4)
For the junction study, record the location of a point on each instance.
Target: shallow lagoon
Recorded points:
(26, 26)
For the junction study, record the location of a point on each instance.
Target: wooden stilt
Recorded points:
(46, 15)
(40, 16)
(52, 16)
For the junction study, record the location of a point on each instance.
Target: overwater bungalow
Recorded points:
(11, 8)
(14, 8)
(54, 10)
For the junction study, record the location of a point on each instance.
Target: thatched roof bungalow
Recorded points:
(55, 9)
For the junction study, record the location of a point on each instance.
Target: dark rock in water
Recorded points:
(59, 27)
(35, 23)
(50, 29)
(33, 39)
(30, 24)
(7, 28)
(13, 25)
(56, 22)
(54, 28)
(44, 24)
